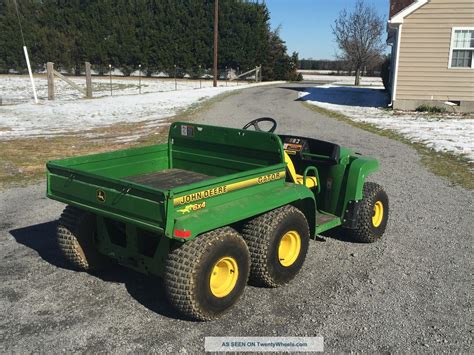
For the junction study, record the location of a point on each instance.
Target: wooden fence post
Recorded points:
(88, 81)
(50, 71)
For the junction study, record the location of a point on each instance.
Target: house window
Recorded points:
(462, 48)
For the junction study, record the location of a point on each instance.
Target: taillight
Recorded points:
(182, 233)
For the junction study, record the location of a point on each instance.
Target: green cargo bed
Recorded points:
(168, 178)
(152, 187)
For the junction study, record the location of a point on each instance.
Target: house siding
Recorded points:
(423, 72)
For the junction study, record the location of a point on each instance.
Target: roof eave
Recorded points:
(398, 18)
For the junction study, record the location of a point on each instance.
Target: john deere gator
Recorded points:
(213, 207)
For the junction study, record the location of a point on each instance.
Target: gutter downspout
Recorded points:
(395, 75)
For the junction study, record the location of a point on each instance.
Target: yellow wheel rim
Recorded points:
(378, 214)
(289, 248)
(224, 276)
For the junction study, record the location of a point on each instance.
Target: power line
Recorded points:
(26, 54)
(19, 22)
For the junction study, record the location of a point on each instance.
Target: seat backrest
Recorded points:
(219, 151)
(291, 168)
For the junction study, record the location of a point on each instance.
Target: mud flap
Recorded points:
(350, 215)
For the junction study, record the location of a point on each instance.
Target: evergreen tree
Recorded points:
(155, 33)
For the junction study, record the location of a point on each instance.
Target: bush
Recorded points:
(385, 73)
(294, 76)
(431, 109)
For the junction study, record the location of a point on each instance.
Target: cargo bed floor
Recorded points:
(168, 179)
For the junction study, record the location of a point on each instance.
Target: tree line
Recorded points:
(323, 64)
(372, 67)
(158, 34)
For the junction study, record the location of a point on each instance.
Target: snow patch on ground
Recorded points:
(50, 118)
(365, 104)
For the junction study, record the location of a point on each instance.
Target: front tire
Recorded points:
(206, 276)
(278, 242)
(372, 216)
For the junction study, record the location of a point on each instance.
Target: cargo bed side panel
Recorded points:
(120, 163)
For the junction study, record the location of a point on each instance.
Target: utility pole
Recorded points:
(216, 19)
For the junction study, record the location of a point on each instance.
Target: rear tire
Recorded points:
(278, 242)
(372, 216)
(206, 276)
(75, 236)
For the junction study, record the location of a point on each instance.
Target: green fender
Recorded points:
(207, 219)
(358, 171)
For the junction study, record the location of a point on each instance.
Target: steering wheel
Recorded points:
(255, 123)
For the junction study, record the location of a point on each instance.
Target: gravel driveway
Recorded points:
(410, 292)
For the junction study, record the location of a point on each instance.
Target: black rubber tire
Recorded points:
(263, 235)
(188, 271)
(365, 231)
(75, 236)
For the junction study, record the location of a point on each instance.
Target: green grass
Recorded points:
(430, 109)
(455, 168)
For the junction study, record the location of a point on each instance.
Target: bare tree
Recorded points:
(358, 36)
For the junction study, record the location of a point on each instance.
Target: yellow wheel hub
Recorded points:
(224, 276)
(378, 214)
(289, 248)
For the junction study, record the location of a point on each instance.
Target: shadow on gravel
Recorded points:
(147, 290)
(339, 234)
(295, 88)
(344, 95)
(41, 238)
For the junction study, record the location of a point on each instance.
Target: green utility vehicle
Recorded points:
(213, 207)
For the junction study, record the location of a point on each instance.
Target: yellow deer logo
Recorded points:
(100, 195)
(193, 207)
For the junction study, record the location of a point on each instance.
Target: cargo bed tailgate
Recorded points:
(114, 198)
